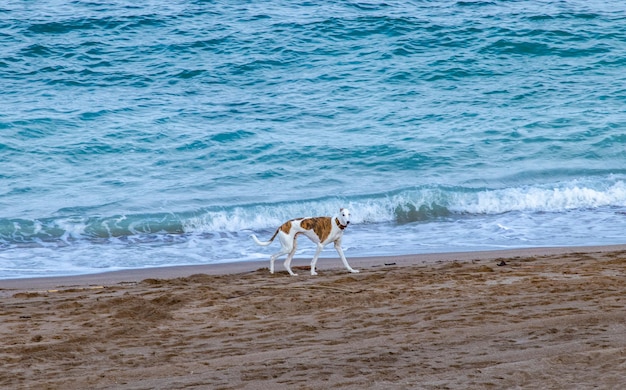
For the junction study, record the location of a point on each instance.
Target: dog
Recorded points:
(320, 230)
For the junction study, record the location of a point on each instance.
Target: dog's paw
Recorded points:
(313, 273)
(355, 271)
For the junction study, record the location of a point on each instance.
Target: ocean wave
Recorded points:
(428, 203)
(422, 204)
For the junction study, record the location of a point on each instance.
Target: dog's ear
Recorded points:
(341, 210)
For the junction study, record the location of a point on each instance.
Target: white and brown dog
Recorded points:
(321, 230)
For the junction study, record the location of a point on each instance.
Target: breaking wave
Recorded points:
(421, 204)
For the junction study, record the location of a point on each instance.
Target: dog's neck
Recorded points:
(339, 224)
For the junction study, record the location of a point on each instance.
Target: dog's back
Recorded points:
(321, 227)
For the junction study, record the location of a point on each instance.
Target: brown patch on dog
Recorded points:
(320, 225)
(286, 227)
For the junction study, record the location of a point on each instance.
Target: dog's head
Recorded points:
(344, 217)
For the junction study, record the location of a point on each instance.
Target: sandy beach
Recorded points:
(534, 318)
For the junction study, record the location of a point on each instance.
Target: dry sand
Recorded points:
(549, 318)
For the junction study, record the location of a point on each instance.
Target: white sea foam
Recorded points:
(419, 204)
(543, 199)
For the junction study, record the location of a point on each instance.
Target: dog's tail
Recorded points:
(264, 243)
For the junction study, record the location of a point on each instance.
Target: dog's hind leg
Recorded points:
(288, 247)
(274, 257)
(290, 257)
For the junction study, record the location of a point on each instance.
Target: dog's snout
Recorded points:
(347, 222)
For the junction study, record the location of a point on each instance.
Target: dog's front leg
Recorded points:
(343, 257)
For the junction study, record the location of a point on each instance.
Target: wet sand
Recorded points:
(531, 318)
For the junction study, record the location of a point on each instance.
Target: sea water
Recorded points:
(141, 134)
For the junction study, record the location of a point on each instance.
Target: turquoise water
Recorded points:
(164, 133)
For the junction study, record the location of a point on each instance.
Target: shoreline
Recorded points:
(331, 263)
